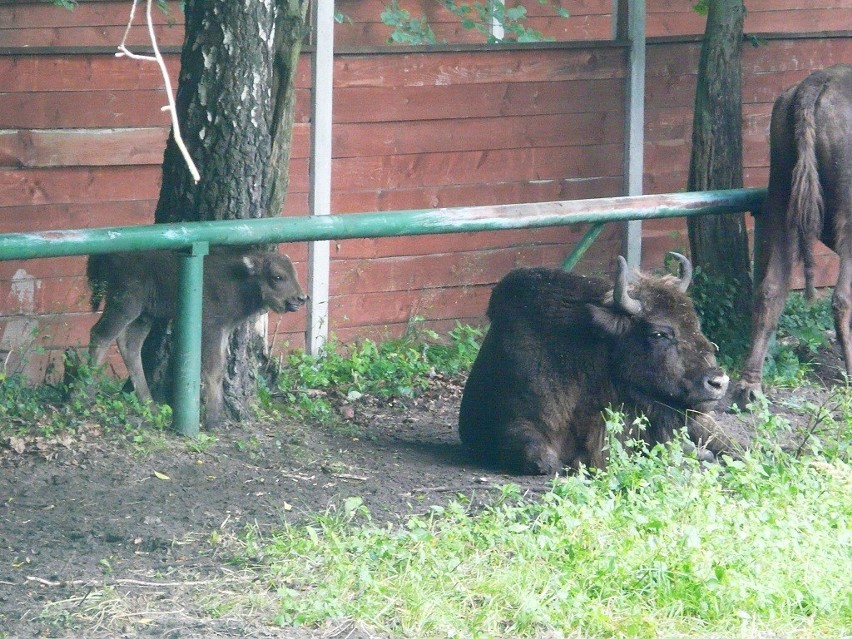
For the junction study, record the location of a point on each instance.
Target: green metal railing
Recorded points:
(195, 238)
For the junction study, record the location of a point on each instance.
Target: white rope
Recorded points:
(158, 58)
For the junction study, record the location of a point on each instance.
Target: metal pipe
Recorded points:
(385, 224)
(187, 360)
(585, 242)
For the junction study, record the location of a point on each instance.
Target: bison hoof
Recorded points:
(546, 463)
(746, 393)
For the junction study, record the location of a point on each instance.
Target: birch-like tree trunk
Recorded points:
(235, 104)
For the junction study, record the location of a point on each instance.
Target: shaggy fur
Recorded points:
(560, 351)
(139, 287)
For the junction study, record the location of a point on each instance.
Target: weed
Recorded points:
(85, 396)
(201, 443)
(474, 16)
(395, 368)
(802, 329)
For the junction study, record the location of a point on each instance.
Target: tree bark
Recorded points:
(719, 243)
(235, 104)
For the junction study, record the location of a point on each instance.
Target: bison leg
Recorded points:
(118, 313)
(529, 451)
(768, 303)
(214, 348)
(130, 346)
(841, 303)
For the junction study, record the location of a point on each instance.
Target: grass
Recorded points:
(399, 367)
(656, 546)
(83, 400)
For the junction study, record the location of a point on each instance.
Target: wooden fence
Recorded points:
(81, 140)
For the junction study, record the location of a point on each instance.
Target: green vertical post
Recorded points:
(582, 246)
(187, 353)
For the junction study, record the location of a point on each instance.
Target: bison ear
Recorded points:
(609, 320)
(250, 263)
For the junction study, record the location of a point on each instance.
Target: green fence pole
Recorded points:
(583, 245)
(187, 382)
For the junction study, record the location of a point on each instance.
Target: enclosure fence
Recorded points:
(193, 240)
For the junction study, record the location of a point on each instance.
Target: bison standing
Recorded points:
(140, 287)
(562, 348)
(809, 199)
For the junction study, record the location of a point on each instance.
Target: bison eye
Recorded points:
(658, 335)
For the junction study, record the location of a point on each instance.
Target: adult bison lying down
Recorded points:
(140, 287)
(562, 348)
(809, 198)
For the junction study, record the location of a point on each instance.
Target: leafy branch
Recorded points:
(476, 16)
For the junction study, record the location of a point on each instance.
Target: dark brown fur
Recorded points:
(560, 351)
(143, 286)
(809, 199)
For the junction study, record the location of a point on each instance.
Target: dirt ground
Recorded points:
(100, 540)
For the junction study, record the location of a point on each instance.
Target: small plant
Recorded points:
(405, 28)
(474, 16)
(802, 329)
(399, 367)
(85, 397)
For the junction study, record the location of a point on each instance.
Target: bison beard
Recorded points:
(562, 348)
(809, 198)
(140, 287)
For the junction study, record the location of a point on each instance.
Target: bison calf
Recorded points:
(140, 287)
(562, 348)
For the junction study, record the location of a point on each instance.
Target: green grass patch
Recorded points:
(658, 545)
(84, 399)
(399, 367)
(802, 329)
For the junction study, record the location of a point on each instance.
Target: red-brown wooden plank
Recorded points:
(137, 40)
(484, 134)
(475, 67)
(359, 104)
(29, 15)
(82, 73)
(501, 192)
(78, 184)
(42, 268)
(437, 270)
(39, 148)
(368, 249)
(473, 167)
(83, 109)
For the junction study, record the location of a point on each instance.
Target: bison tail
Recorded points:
(806, 207)
(96, 273)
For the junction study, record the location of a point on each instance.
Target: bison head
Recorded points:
(659, 353)
(276, 281)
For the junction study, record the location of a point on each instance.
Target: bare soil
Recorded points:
(100, 540)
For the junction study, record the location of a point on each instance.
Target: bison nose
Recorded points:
(716, 383)
(295, 303)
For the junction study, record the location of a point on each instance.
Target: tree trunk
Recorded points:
(719, 243)
(235, 104)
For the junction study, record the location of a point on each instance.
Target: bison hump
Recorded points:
(543, 293)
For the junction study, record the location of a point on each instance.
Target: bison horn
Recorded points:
(619, 293)
(686, 270)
